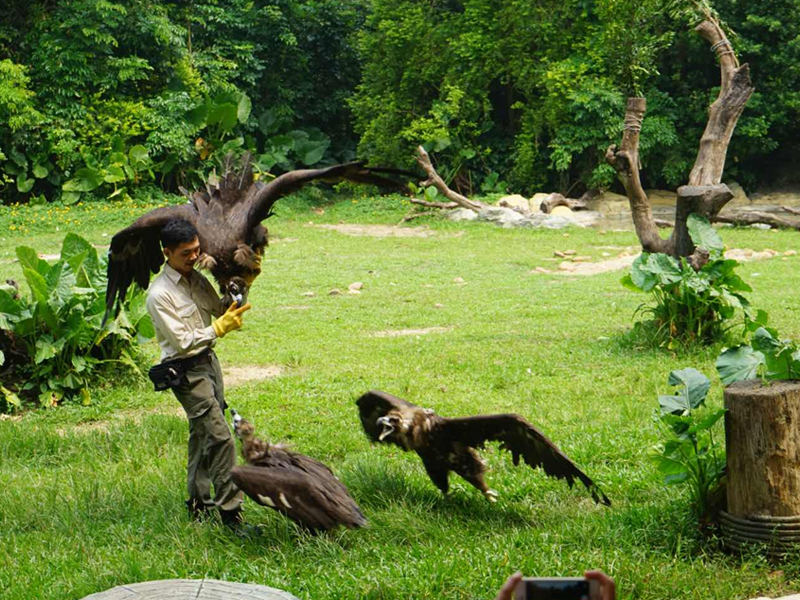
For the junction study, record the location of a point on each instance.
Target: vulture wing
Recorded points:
(292, 181)
(314, 502)
(521, 438)
(135, 252)
(375, 404)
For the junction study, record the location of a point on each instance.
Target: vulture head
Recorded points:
(391, 423)
(227, 215)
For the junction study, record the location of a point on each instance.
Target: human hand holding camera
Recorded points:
(595, 585)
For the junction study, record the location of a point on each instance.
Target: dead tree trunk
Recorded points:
(705, 193)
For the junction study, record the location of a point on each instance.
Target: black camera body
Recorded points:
(557, 588)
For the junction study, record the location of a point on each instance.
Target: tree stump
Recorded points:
(762, 439)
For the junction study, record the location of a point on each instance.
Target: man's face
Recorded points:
(183, 256)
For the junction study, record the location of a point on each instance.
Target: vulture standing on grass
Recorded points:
(295, 485)
(446, 445)
(228, 215)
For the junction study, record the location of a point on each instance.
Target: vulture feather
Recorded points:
(303, 489)
(228, 215)
(446, 445)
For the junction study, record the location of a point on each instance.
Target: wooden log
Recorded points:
(553, 200)
(762, 438)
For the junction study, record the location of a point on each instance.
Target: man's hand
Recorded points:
(507, 591)
(230, 320)
(607, 588)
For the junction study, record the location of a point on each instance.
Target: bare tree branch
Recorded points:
(435, 180)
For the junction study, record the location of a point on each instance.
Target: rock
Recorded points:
(335, 292)
(581, 258)
(570, 252)
(507, 217)
(559, 254)
(308, 294)
(661, 197)
(459, 280)
(790, 253)
(517, 202)
(760, 226)
(462, 214)
(739, 196)
(540, 219)
(562, 211)
(542, 270)
(536, 200)
(355, 286)
(438, 305)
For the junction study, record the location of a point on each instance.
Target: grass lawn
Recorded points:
(92, 497)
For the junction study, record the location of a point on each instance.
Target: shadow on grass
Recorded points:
(382, 486)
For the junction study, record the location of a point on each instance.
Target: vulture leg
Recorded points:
(437, 470)
(469, 466)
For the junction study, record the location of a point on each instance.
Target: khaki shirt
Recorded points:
(182, 309)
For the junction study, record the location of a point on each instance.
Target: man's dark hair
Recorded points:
(177, 231)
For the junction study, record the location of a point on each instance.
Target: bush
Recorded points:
(690, 306)
(54, 343)
(689, 453)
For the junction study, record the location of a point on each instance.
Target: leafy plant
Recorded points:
(690, 305)
(59, 328)
(765, 356)
(689, 453)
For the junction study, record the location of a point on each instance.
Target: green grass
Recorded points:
(92, 497)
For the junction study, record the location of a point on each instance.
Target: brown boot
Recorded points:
(233, 519)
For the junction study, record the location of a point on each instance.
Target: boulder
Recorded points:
(562, 211)
(740, 197)
(462, 214)
(507, 217)
(515, 201)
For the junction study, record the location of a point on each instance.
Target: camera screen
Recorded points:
(557, 590)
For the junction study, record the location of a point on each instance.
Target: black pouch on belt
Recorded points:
(170, 373)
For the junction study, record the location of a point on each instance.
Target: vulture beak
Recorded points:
(388, 428)
(236, 291)
(236, 418)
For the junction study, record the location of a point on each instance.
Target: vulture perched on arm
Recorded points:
(446, 445)
(295, 485)
(228, 216)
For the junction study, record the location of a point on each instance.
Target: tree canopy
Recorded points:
(102, 96)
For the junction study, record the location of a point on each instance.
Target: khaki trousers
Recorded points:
(212, 450)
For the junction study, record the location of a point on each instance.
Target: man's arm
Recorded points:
(173, 328)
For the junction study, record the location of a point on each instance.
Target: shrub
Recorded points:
(690, 305)
(689, 453)
(55, 341)
(765, 356)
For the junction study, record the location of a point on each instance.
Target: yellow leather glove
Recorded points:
(230, 320)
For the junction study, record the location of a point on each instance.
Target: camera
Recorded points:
(557, 588)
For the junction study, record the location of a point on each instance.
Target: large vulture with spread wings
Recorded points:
(228, 215)
(303, 489)
(446, 445)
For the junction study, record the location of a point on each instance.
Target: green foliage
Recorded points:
(60, 325)
(688, 452)
(765, 356)
(690, 306)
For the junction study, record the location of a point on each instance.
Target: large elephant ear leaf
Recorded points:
(694, 388)
(739, 364)
(704, 235)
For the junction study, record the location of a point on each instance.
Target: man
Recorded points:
(188, 316)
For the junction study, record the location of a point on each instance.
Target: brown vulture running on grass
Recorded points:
(446, 445)
(295, 485)
(228, 215)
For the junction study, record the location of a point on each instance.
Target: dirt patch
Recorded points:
(404, 332)
(380, 231)
(747, 255)
(234, 376)
(595, 268)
